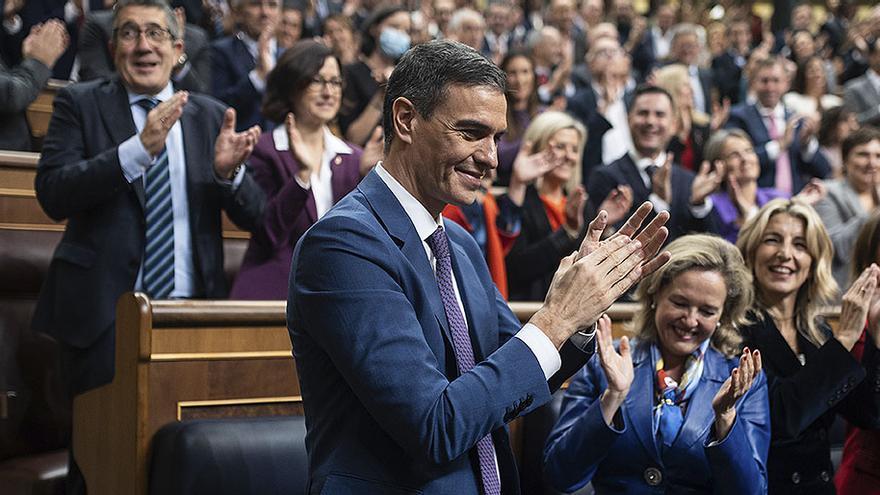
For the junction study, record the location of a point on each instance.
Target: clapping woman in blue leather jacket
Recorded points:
(682, 408)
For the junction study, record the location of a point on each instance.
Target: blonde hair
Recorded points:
(544, 126)
(704, 253)
(819, 287)
(672, 77)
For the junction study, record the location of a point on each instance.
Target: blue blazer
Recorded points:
(748, 118)
(230, 64)
(581, 448)
(385, 407)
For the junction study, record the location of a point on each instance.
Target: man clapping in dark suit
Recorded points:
(140, 173)
(649, 171)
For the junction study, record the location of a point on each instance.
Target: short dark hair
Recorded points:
(649, 89)
(426, 71)
(861, 136)
(162, 5)
(291, 76)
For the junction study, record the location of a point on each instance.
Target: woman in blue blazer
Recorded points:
(678, 410)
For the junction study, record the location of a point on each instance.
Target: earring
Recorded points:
(653, 305)
(718, 325)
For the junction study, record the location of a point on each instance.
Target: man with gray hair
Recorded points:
(409, 360)
(686, 48)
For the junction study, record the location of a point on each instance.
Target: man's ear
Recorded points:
(403, 117)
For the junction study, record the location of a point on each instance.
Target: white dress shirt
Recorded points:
(541, 345)
(253, 47)
(319, 183)
(660, 204)
(617, 140)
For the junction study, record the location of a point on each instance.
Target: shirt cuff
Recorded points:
(302, 184)
(257, 81)
(13, 25)
(543, 349)
(658, 202)
(133, 158)
(702, 211)
(239, 177)
(772, 149)
(811, 149)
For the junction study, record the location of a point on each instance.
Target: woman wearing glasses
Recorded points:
(303, 168)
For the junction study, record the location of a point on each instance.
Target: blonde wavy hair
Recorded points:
(819, 287)
(704, 253)
(544, 126)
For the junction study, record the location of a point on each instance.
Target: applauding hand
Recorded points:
(232, 148)
(737, 384)
(618, 368)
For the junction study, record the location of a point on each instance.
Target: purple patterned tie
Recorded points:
(464, 352)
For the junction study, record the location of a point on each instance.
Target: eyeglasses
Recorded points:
(318, 84)
(130, 33)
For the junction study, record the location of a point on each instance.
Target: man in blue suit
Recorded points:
(410, 362)
(240, 63)
(785, 143)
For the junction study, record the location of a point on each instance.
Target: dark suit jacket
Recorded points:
(96, 62)
(537, 250)
(582, 448)
(804, 400)
(707, 82)
(386, 409)
(624, 172)
(748, 118)
(290, 211)
(583, 106)
(230, 64)
(19, 87)
(728, 76)
(79, 179)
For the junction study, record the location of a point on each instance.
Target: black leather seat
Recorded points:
(263, 456)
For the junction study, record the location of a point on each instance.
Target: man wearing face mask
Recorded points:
(384, 39)
(240, 63)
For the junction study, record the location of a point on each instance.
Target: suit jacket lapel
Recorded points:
(639, 404)
(193, 135)
(395, 220)
(699, 415)
(337, 179)
(119, 122)
(634, 177)
(761, 133)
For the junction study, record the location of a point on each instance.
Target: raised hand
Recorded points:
(574, 209)
(46, 42)
(661, 181)
(874, 317)
(706, 182)
(265, 58)
(618, 368)
(232, 148)
(160, 120)
(813, 192)
(720, 113)
(740, 381)
(373, 151)
(855, 306)
(309, 159)
(617, 203)
(527, 167)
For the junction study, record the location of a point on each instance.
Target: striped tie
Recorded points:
(158, 272)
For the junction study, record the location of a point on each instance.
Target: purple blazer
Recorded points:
(290, 211)
(727, 212)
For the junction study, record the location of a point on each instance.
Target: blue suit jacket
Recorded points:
(386, 409)
(748, 118)
(230, 64)
(582, 448)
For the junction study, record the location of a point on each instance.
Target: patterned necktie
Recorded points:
(158, 274)
(464, 352)
(783, 164)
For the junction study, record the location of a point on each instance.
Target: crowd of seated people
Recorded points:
(757, 131)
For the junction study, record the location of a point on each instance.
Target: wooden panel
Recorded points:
(198, 344)
(269, 407)
(39, 112)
